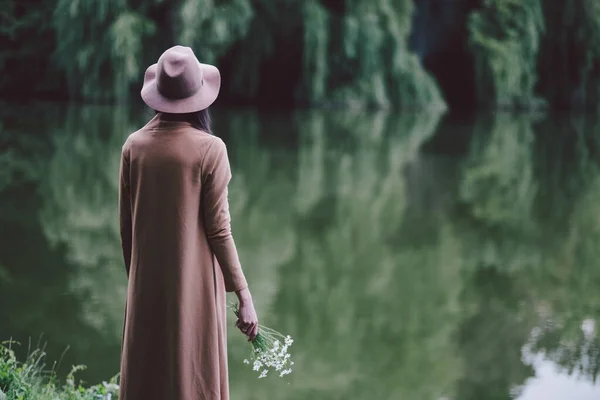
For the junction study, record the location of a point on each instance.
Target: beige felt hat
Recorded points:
(178, 83)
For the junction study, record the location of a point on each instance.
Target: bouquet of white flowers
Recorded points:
(269, 350)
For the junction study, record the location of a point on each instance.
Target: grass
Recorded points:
(30, 380)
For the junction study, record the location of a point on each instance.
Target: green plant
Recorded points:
(28, 380)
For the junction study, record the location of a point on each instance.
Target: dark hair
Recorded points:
(198, 119)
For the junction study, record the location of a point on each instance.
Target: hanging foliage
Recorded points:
(362, 59)
(347, 53)
(98, 46)
(505, 39)
(213, 29)
(569, 66)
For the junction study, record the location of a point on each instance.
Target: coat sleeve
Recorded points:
(216, 173)
(125, 209)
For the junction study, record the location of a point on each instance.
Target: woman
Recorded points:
(179, 254)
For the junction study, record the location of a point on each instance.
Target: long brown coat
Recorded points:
(180, 260)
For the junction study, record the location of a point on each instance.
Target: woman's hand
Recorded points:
(247, 320)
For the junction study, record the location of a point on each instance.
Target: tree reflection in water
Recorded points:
(400, 274)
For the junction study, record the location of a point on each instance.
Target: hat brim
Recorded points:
(202, 99)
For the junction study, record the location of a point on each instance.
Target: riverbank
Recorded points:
(31, 380)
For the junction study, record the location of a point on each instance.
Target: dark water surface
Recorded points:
(410, 256)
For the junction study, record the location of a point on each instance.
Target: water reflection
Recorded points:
(49, 186)
(79, 189)
(400, 273)
(498, 182)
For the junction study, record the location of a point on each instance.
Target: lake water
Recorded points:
(411, 256)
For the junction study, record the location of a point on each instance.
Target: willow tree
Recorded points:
(351, 53)
(99, 46)
(570, 55)
(505, 39)
(24, 62)
(358, 57)
(361, 57)
(528, 51)
(212, 29)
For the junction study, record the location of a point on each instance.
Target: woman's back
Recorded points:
(179, 253)
(165, 167)
(175, 187)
